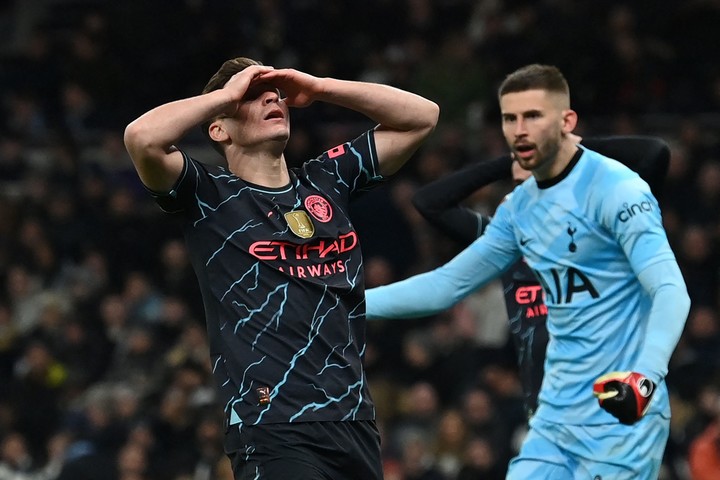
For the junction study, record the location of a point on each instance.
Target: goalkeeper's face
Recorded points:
(535, 124)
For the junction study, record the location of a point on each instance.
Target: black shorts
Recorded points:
(308, 451)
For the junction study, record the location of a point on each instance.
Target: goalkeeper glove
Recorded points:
(625, 395)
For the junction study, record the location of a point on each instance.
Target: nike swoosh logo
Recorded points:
(524, 241)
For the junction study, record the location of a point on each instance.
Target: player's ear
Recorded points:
(217, 132)
(569, 120)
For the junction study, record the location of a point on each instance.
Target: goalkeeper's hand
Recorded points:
(625, 395)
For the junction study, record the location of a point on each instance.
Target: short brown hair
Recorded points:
(218, 81)
(535, 77)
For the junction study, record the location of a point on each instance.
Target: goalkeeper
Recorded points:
(591, 230)
(440, 202)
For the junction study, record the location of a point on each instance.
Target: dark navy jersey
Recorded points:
(281, 275)
(527, 313)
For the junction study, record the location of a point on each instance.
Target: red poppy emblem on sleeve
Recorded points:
(319, 208)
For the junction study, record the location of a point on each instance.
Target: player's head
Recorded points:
(536, 114)
(537, 77)
(228, 69)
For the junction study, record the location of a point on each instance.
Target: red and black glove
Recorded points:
(625, 395)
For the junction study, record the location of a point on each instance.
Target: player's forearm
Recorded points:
(390, 107)
(452, 189)
(163, 126)
(460, 223)
(430, 292)
(404, 120)
(409, 298)
(439, 201)
(670, 307)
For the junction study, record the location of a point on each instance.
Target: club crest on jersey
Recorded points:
(571, 230)
(300, 223)
(319, 208)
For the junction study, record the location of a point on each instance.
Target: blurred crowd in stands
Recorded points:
(104, 370)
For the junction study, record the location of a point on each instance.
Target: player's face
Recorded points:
(534, 123)
(262, 116)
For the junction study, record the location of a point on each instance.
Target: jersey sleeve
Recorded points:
(670, 306)
(439, 289)
(430, 292)
(439, 202)
(178, 199)
(631, 213)
(354, 164)
(499, 245)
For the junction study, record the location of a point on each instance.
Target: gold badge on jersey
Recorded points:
(300, 223)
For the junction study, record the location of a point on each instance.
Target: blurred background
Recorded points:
(103, 363)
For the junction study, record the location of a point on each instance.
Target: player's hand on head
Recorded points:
(298, 89)
(239, 84)
(625, 395)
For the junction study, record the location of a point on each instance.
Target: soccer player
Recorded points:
(591, 230)
(440, 202)
(278, 260)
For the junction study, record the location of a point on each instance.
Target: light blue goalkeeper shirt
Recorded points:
(616, 298)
